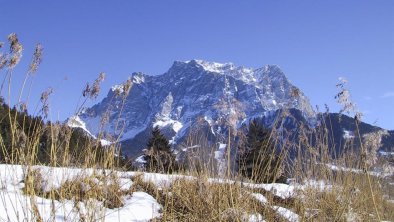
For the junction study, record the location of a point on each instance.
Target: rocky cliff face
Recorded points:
(194, 91)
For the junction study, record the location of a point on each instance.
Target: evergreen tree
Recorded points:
(158, 155)
(258, 159)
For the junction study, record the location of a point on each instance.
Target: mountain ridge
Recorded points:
(193, 91)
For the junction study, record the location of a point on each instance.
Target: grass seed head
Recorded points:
(127, 86)
(86, 91)
(3, 60)
(95, 90)
(15, 49)
(37, 59)
(44, 100)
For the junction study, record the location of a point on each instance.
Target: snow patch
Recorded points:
(255, 218)
(139, 207)
(138, 79)
(383, 153)
(220, 158)
(348, 134)
(260, 197)
(105, 142)
(140, 159)
(16, 206)
(77, 122)
(381, 174)
(287, 214)
(215, 67)
(117, 88)
(274, 102)
(176, 125)
(219, 154)
(190, 147)
(281, 190)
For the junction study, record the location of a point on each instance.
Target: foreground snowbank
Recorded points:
(15, 206)
(137, 206)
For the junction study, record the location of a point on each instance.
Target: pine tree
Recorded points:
(158, 155)
(258, 159)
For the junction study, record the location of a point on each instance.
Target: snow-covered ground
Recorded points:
(15, 206)
(138, 206)
(387, 172)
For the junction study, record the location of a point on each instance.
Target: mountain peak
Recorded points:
(221, 68)
(138, 77)
(191, 90)
(215, 66)
(259, 76)
(272, 69)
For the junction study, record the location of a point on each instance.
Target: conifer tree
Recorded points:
(158, 155)
(258, 159)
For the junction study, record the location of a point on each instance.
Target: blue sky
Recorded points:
(314, 42)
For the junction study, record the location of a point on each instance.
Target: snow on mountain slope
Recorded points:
(76, 122)
(194, 90)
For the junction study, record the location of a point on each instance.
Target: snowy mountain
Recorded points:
(193, 91)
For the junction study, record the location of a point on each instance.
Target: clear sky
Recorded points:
(314, 42)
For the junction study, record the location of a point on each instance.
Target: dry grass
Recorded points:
(347, 199)
(93, 187)
(80, 188)
(197, 199)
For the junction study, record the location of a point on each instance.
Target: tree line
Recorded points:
(257, 158)
(24, 137)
